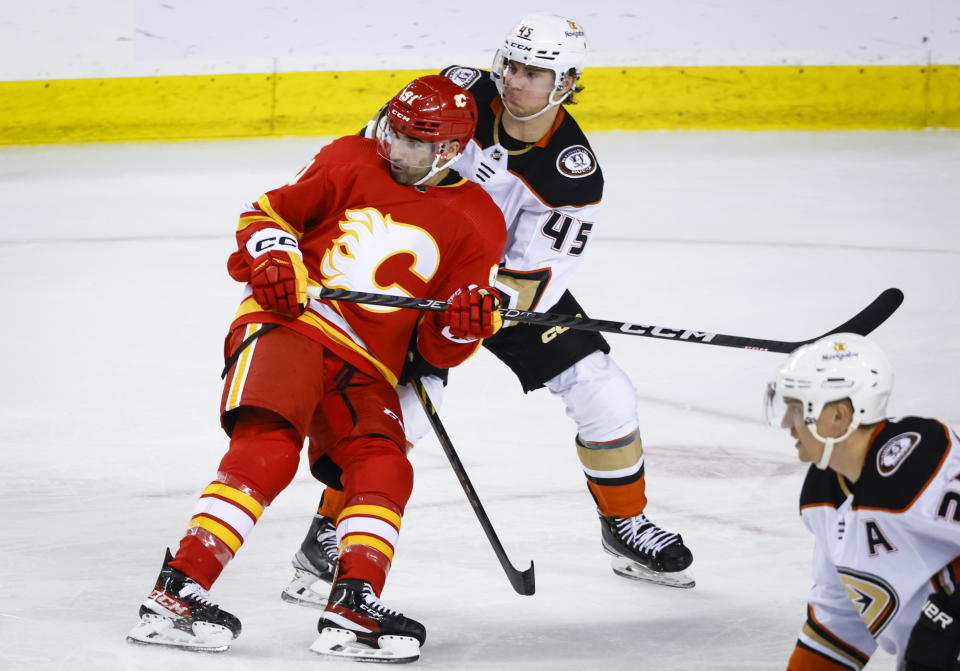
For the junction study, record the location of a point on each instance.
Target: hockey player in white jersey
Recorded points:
(534, 160)
(882, 498)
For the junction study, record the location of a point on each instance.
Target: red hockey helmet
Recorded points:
(434, 109)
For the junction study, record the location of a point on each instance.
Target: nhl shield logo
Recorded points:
(895, 451)
(576, 161)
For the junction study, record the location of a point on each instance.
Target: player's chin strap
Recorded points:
(551, 103)
(435, 167)
(828, 443)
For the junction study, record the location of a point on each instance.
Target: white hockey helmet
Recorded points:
(544, 41)
(839, 366)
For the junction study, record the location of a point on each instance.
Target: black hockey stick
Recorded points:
(861, 323)
(522, 581)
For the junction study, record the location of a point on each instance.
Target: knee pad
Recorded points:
(264, 452)
(376, 467)
(599, 397)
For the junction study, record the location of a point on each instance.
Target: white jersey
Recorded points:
(549, 192)
(883, 544)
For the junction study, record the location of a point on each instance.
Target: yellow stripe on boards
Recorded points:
(201, 107)
(194, 107)
(770, 98)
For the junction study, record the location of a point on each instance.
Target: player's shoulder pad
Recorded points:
(462, 75)
(567, 172)
(478, 82)
(343, 146)
(821, 488)
(903, 458)
(347, 152)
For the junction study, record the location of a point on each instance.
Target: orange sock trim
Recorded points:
(332, 503)
(620, 500)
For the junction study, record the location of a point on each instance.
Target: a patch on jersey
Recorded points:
(873, 598)
(895, 451)
(576, 161)
(464, 77)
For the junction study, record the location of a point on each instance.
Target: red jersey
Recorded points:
(360, 230)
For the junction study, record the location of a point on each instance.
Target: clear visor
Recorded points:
(774, 407)
(405, 151)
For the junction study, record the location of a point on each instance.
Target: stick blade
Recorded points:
(867, 320)
(524, 582)
(863, 323)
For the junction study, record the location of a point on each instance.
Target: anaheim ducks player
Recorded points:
(360, 221)
(882, 499)
(530, 155)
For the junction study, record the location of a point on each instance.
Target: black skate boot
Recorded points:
(179, 613)
(355, 618)
(644, 551)
(314, 565)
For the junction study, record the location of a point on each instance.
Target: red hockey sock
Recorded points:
(261, 462)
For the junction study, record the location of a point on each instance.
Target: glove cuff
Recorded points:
(270, 240)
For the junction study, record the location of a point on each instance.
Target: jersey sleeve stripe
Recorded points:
(805, 658)
(264, 203)
(816, 631)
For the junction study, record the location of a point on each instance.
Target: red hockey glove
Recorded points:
(471, 313)
(277, 274)
(279, 281)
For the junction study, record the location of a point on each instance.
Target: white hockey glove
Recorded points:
(491, 169)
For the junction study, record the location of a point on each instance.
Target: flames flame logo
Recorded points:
(369, 239)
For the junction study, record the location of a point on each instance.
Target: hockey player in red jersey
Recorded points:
(882, 498)
(534, 160)
(387, 215)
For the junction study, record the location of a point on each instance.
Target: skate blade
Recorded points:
(335, 642)
(301, 590)
(159, 630)
(634, 571)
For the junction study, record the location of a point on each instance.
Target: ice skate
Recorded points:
(179, 613)
(643, 551)
(357, 626)
(314, 565)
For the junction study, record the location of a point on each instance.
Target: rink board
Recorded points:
(300, 104)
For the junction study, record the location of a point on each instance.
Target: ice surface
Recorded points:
(116, 302)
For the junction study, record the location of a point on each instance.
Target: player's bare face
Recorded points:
(809, 448)
(828, 425)
(410, 158)
(526, 89)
